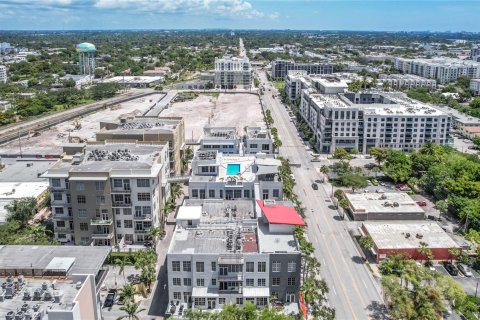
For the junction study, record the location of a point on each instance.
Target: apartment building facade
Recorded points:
(280, 68)
(475, 87)
(3, 74)
(222, 139)
(257, 139)
(229, 177)
(222, 254)
(149, 129)
(475, 54)
(444, 70)
(398, 81)
(108, 193)
(365, 120)
(233, 72)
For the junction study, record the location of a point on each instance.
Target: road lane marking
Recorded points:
(364, 284)
(323, 259)
(334, 291)
(318, 228)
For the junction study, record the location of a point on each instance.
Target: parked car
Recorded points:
(465, 270)
(422, 203)
(110, 298)
(430, 266)
(314, 186)
(466, 140)
(375, 182)
(451, 269)
(382, 184)
(400, 185)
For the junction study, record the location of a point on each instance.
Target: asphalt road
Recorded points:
(354, 292)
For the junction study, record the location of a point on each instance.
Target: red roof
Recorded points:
(278, 214)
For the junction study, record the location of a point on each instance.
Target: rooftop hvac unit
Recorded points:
(27, 295)
(419, 236)
(47, 296)
(57, 296)
(36, 307)
(20, 315)
(37, 294)
(10, 315)
(44, 286)
(24, 307)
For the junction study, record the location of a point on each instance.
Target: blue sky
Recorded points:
(382, 15)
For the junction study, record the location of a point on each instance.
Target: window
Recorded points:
(117, 183)
(195, 193)
(81, 199)
(187, 266)
(200, 282)
(147, 210)
(80, 186)
(276, 266)
(204, 169)
(276, 193)
(250, 267)
(127, 211)
(138, 211)
(83, 226)
(82, 213)
(56, 183)
(119, 223)
(143, 197)
(199, 301)
(214, 266)
(275, 282)
(249, 282)
(253, 146)
(187, 282)
(262, 301)
(265, 147)
(211, 193)
(221, 300)
(290, 297)
(62, 236)
(262, 267)
(100, 199)
(176, 266)
(261, 282)
(187, 297)
(177, 295)
(58, 210)
(251, 300)
(57, 196)
(143, 183)
(214, 282)
(291, 281)
(292, 266)
(239, 301)
(177, 281)
(200, 267)
(127, 223)
(99, 185)
(246, 193)
(61, 224)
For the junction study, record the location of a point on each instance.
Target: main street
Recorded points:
(354, 293)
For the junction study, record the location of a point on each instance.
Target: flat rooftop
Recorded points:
(220, 133)
(390, 202)
(331, 82)
(393, 235)
(88, 259)
(17, 190)
(269, 242)
(221, 212)
(257, 133)
(134, 79)
(142, 124)
(24, 170)
(405, 77)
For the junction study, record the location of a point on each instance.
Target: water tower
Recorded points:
(86, 58)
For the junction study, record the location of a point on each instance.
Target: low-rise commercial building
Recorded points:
(108, 193)
(52, 282)
(222, 254)
(280, 68)
(233, 72)
(219, 176)
(475, 87)
(135, 81)
(460, 120)
(149, 129)
(406, 81)
(369, 206)
(365, 120)
(11, 191)
(442, 69)
(3, 74)
(407, 237)
(222, 139)
(475, 54)
(257, 139)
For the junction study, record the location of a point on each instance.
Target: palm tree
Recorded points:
(131, 310)
(325, 170)
(299, 232)
(366, 242)
(386, 85)
(128, 292)
(187, 156)
(154, 233)
(176, 191)
(424, 250)
(310, 292)
(120, 264)
(454, 253)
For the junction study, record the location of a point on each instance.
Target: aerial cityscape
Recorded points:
(239, 160)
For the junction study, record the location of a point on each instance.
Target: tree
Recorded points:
(186, 158)
(398, 166)
(21, 210)
(454, 253)
(379, 154)
(155, 233)
(354, 86)
(366, 242)
(343, 203)
(353, 180)
(132, 310)
(341, 154)
(128, 292)
(475, 103)
(176, 191)
(386, 86)
(425, 251)
(121, 264)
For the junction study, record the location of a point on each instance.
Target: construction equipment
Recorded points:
(77, 125)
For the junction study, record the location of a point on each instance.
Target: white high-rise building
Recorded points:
(475, 87)
(475, 54)
(3, 74)
(232, 72)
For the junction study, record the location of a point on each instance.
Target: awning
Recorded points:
(60, 264)
(267, 170)
(88, 178)
(230, 260)
(251, 292)
(204, 292)
(54, 175)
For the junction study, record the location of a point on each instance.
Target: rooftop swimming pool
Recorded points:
(233, 169)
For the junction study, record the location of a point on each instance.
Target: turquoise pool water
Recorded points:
(233, 169)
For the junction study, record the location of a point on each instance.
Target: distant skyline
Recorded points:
(369, 15)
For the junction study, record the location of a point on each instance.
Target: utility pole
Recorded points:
(19, 143)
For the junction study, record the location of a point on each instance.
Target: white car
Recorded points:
(465, 270)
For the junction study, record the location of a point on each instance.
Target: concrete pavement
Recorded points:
(354, 292)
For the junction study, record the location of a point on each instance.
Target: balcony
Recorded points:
(121, 190)
(100, 222)
(62, 202)
(235, 290)
(63, 230)
(141, 231)
(146, 217)
(60, 188)
(232, 276)
(121, 204)
(62, 217)
(102, 235)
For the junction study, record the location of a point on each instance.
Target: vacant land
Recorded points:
(227, 110)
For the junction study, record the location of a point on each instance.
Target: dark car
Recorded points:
(314, 186)
(422, 203)
(451, 269)
(110, 298)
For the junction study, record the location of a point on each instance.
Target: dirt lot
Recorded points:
(50, 141)
(228, 110)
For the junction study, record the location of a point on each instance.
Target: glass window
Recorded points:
(276, 193)
(175, 265)
(187, 266)
(57, 196)
(200, 267)
(211, 193)
(200, 282)
(127, 223)
(187, 282)
(61, 224)
(214, 266)
(262, 267)
(177, 295)
(58, 210)
(80, 186)
(292, 266)
(221, 301)
(83, 226)
(117, 183)
(249, 282)
(261, 282)
(143, 183)
(99, 185)
(275, 281)
(100, 199)
(240, 301)
(82, 213)
(276, 266)
(291, 281)
(177, 281)
(56, 183)
(199, 301)
(250, 267)
(81, 199)
(143, 196)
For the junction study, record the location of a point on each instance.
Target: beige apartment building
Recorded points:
(150, 129)
(108, 193)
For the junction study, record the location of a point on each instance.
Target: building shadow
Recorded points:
(158, 306)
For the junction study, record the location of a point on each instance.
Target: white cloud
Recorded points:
(223, 7)
(41, 2)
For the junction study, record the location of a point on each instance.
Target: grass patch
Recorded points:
(213, 94)
(279, 84)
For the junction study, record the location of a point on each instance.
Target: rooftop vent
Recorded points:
(419, 236)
